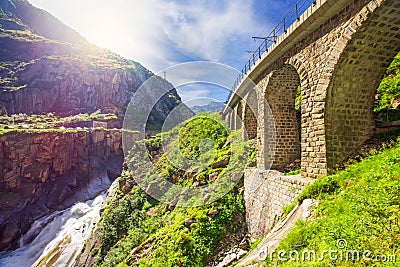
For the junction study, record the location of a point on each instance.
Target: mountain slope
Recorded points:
(19, 14)
(47, 67)
(358, 216)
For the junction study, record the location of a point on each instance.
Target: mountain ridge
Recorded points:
(210, 107)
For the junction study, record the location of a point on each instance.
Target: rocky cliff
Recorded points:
(41, 171)
(47, 67)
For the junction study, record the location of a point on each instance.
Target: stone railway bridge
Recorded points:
(337, 52)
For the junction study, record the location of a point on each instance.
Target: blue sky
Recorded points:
(162, 33)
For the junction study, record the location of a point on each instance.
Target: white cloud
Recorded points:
(198, 94)
(159, 33)
(206, 32)
(202, 79)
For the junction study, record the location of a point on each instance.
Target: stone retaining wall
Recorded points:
(266, 194)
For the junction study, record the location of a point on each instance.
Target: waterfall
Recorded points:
(56, 239)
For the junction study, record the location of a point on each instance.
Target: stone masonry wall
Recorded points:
(372, 40)
(265, 195)
(337, 93)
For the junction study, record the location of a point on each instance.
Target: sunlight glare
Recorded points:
(109, 27)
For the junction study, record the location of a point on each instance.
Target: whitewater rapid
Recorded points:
(56, 239)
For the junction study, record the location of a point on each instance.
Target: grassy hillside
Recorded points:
(137, 230)
(359, 211)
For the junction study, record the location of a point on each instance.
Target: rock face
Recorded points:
(39, 171)
(71, 85)
(47, 67)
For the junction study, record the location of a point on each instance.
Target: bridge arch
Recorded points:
(368, 50)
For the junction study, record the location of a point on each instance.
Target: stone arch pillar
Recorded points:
(280, 93)
(238, 115)
(227, 118)
(232, 119)
(250, 114)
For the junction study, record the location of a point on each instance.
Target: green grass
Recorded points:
(21, 35)
(200, 141)
(360, 204)
(34, 131)
(297, 102)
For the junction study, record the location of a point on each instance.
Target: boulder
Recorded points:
(9, 232)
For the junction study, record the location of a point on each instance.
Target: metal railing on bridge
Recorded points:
(281, 28)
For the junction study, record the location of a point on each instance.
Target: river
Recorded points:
(56, 239)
